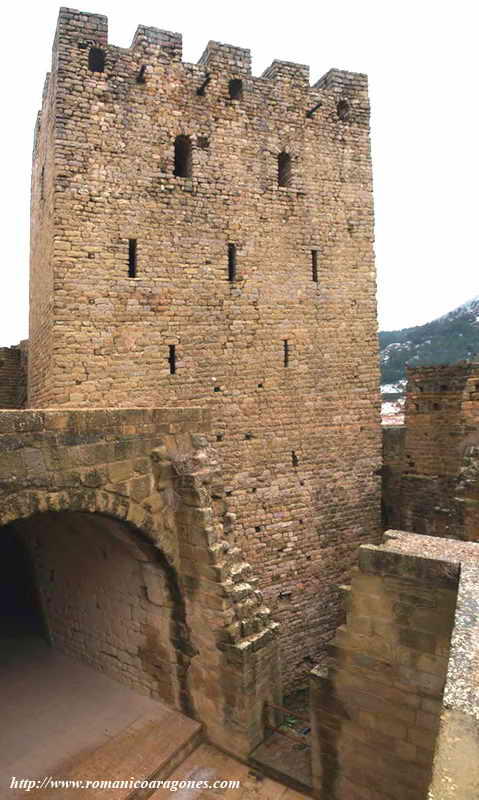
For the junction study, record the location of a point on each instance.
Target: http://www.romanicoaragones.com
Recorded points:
(49, 782)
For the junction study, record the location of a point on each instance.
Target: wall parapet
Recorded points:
(401, 692)
(91, 30)
(456, 759)
(399, 707)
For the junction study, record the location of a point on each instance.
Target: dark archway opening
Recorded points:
(93, 639)
(20, 610)
(97, 590)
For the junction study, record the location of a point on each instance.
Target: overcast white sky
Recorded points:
(421, 58)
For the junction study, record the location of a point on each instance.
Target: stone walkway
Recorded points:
(64, 719)
(209, 764)
(55, 708)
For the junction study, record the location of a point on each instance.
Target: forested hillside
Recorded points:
(453, 337)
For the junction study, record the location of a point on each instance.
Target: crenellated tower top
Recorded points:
(86, 30)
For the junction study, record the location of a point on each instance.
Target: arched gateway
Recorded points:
(101, 591)
(135, 570)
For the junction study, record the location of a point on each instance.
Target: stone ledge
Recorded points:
(105, 419)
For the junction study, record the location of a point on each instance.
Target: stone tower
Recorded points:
(203, 237)
(431, 466)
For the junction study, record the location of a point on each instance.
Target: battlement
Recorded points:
(343, 80)
(226, 56)
(81, 26)
(287, 69)
(148, 39)
(442, 378)
(84, 30)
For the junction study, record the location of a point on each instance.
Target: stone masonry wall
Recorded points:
(22, 384)
(456, 760)
(394, 442)
(376, 711)
(440, 404)
(42, 210)
(9, 376)
(91, 578)
(284, 353)
(73, 480)
(431, 468)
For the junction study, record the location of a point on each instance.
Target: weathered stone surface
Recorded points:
(431, 466)
(398, 708)
(13, 376)
(389, 660)
(129, 574)
(276, 336)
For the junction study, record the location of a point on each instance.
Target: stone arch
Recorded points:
(163, 643)
(28, 502)
(122, 507)
(145, 468)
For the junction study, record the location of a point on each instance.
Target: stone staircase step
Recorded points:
(151, 747)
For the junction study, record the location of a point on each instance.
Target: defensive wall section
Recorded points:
(431, 465)
(396, 716)
(202, 237)
(13, 376)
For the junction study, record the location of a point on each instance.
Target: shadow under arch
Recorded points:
(160, 601)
